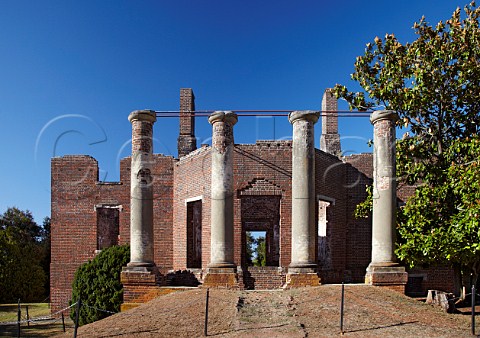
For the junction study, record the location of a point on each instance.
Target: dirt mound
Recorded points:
(312, 312)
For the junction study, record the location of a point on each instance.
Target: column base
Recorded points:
(140, 285)
(221, 277)
(133, 265)
(388, 275)
(299, 280)
(304, 275)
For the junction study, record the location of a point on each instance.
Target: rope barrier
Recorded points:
(37, 319)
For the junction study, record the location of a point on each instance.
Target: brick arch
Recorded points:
(260, 186)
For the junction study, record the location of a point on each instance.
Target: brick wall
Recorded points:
(359, 171)
(263, 170)
(267, 165)
(263, 277)
(330, 139)
(192, 178)
(262, 184)
(329, 187)
(443, 278)
(76, 193)
(186, 139)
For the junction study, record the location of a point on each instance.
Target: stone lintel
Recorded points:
(378, 115)
(223, 116)
(143, 115)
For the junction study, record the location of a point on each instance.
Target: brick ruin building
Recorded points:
(178, 214)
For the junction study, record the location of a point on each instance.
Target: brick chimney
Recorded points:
(186, 140)
(330, 139)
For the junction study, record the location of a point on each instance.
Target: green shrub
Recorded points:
(97, 284)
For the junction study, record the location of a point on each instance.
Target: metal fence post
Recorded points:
(77, 317)
(28, 317)
(205, 332)
(19, 317)
(473, 309)
(341, 308)
(63, 322)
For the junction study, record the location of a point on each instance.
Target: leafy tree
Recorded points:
(256, 250)
(440, 223)
(21, 225)
(250, 248)
(260, 252)
(45, 244)
(434, 84)
(97, 284)
(21, 255)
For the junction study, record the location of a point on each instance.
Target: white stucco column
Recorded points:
(303, 191)
(384, 269)
(141, 189)
(221, 245)
(384, 187)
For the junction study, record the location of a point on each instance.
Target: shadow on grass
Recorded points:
(381, 327)
(246, 329)
(34, 330)
(8, 308)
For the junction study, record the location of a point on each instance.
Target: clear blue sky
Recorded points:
(72, 71)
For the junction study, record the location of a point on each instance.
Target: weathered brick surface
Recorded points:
(76, 193)
(330, 139)
(420, 280)
(262, 202)
(263, 196)
(186, 140)
(221, 280)
(298, 280)
(191, 182)
(359, 173)
(264, 277)
(133, 296)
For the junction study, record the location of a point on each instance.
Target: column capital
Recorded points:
(143, 115)
(307, 115)
(223, 116)
(378, 115)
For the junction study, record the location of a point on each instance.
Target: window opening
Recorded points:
(194, 234)
(324, 256)
(107, 227)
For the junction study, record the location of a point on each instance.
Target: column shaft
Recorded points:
(141, 189)
(303, 190)
(384, 187)
(221, 254)
(383, 269)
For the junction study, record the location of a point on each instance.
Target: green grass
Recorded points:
(9, 313)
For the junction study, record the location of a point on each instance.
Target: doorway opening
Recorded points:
(260, 230)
